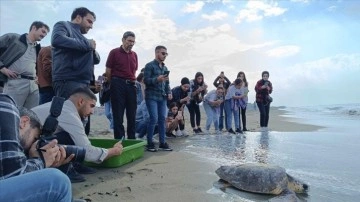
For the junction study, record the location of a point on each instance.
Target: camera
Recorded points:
(50, 126)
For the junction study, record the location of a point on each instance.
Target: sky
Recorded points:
(311, 48)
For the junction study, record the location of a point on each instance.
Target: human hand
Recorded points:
(49, 152)
(61, 157)
(9, 73)
(179, 116)
(185, 99)
(118, 148)
(162, 78)
(92, 43)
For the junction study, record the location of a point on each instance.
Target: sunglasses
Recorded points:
(164, 53)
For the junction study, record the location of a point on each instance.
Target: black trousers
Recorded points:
(194, 110)
(123, 98)
(264, 109)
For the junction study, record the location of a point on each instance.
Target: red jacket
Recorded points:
(262, 93)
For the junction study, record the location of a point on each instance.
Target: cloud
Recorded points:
(283, 51)
(216, 15)
(257, 10)
(193, 8)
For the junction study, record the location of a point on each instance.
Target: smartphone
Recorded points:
(101, 79)
(166, 73)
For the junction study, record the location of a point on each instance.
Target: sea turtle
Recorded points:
(261, 178)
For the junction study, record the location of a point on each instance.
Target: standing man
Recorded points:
(18, 64)
(157, 92)
(121, 66)
(44, 66)
(74, 55)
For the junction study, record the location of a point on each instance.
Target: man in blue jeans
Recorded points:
(157, 92)
(43, 185)
(19, 174)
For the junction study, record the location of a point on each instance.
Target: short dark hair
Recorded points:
(38, 25)
(160, 47)
(34, 119)
(85, 91)
(82, 11)
(265, 72)
(127, 34)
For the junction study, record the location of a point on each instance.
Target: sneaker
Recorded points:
(82, 169)
(151, 147)
(244, 129)
(164, 147)
(178, 133)
(199, 129)
(196, 131)
(73, 175)
(239, 131)
(154, 140)
(231, 131)
(184, 133)
(170, 135)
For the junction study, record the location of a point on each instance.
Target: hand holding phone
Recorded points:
(100, 79)
(166, 73)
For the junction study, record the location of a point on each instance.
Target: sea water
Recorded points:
(328, 159)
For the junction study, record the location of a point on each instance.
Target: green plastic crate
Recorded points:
(133, 149)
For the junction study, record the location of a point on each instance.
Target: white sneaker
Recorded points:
(184, 133)
(155, 140)
(178, 133)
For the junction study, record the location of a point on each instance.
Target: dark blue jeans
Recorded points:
(46, 96)
(157, 112)
(123, 98)
(264, 113)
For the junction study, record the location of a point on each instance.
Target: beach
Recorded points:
(170, 176)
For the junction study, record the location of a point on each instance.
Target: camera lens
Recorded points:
(78, 151)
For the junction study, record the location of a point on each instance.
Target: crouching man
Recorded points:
(71, 131)
(24, 168)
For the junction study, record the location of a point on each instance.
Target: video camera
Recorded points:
(50, 126)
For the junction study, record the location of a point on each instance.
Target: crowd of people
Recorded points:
(31, 76)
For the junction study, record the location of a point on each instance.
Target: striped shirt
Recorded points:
(13, 161)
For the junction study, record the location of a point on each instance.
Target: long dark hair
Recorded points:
(244, 80)
(196, 76)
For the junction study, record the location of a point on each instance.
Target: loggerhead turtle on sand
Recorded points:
(262, 178)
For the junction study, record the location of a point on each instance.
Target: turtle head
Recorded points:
(296, 185)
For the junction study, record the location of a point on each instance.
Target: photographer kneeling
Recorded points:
(22, 176)
(70, 131)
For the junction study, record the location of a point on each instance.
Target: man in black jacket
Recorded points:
(74, 55)
(18, 55)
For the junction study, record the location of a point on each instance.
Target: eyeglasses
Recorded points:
(165, 53)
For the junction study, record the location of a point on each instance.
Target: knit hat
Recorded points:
(185, 81)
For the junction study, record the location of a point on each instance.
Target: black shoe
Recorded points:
(73, 175)
(245, 129)
(231, 131)
(239, 131)
(82, 169)
(164, 147)
(170, 135)
(151, 147)
(199, 129)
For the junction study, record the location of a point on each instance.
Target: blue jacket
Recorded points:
(73, 56)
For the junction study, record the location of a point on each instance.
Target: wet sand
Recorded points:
(168, 176)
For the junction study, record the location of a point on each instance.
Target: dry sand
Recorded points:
(167, 176)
